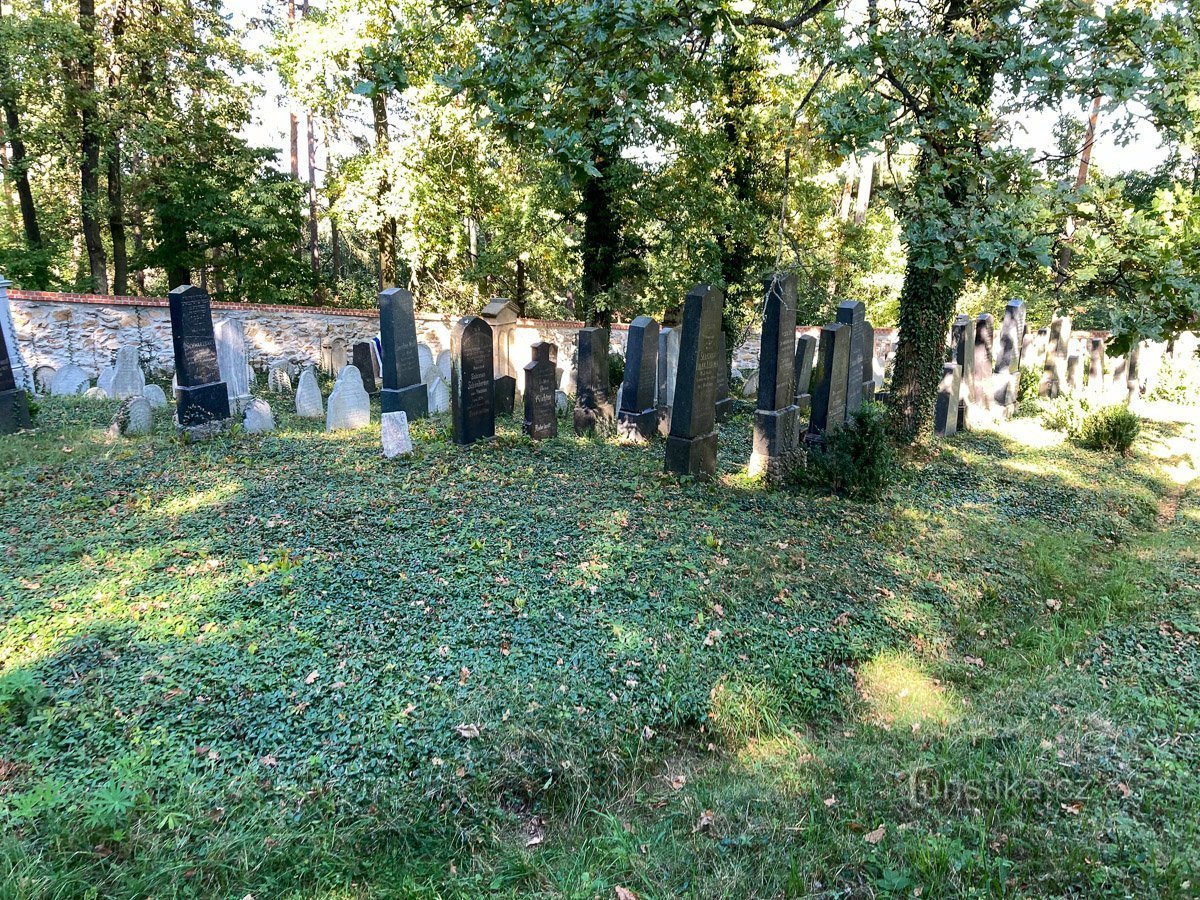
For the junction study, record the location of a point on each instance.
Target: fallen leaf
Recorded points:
(625, 894)
(269, 761)
(874, 837)
(678, 781)
(312, 676)
(470, 732)
(1074, 808)
(1124, 789)
(535, 840)
(830, 801)
(973, 661)
(705, 821)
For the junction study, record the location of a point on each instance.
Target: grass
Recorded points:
(281, 665)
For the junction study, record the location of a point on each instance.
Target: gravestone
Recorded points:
(201, 397)
(541, 376)
(777, 418)
(438, 390)
(96, 393)
(424, 360)
(156, 396)
(668, 367)
(945, 412)
(962, 353)
(472, 387)
(853, 314)
(279, 380)
(403, 388)
(349, 403)
(69, 381)
(828, 412)
(105, 379)
(806, 356)
(985, 330)
(637, 417)
(692, 442)
(1133, 372)
(232, 363)
(43, 377)
(1012, 334)
(724, 404)
(309, 404)
(868, 373)
(445, 365)
(1074, 371)
(1054, 377)
(258, 419)
(136, 417)
(394, 433)
(14, 402)
(1096, 366)
(128, 380)
(363, 359)
(505, 387)
(592, 404)
(21, 373)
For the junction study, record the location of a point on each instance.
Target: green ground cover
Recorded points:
(280, 665)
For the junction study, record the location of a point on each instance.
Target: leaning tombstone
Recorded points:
(724, 404)
(1058, 341)
(945, 412)
(438, 392)
(541, 419)
(349, 403)
(806, 355)
(637, 418)
(395, 435)
(230, 335)
(309, 404)
(105, 379)
(828, 411)
(472, 385)
(201, 398)
(128, 379)
(400, 359)
(1074, 372)
(692, 443)
(592, 404)
(364, 360)
(14, 402)
(69, 381)
(155, 396)
(777, 418)
(258, 419)
(1012, 333)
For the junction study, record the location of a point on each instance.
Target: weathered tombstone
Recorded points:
(828, 411)
(128, 379)
(96, 393)
(424, 360)
(105, 379)
(403, 389)
(592, 404)
(309, 404)
(136, 417)
(962, 353)
(853, 313)
(868, 370)
(394, 433)
(1074, 372)
(445, 365)
(473, 390)
(14, 402)
(806, 356)
(1058, 340)
(231, 360)
(363, 359)
(349, 403)
(338, 358)
(724, 404)
(1096, 366)
(750, 385)
(69, 381)
(201, 397)
(541, 376)
(1012, 333)
(637, 417)
(438, 390)
(692, 442)
(668, 366)
(279, 380)
(22, 375)
(777, 418)
(258, 419)
(1133, 372)
(155, 396)
(43, 377)
(985, 332)
(945, 416)
(505, 387)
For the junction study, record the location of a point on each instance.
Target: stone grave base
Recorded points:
(776, 442)
(14, 411)
(637, 427)
(588, 419)
(692, 456)
(195, 406)
(664, 420)
(413, 401)
(205, 430)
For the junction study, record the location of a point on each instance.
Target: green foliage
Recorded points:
(1028, 383)
(1065, 413)
(616, 368)
(1112, 429)
(858, 461)
(1177, 382)
(20, 694)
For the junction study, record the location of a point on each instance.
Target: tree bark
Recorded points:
(314, 248)
(521, 293)
(386, 236)
(116, 219)
(18, 171)
(335, 241)
(601, 243)
(89, 163)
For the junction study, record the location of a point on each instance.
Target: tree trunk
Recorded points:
(89, 163)
(335, 260)
(314, 248)
(600, 245)
(116, 220)
(1085, 158)
(520, 298)
(18, 172)
(386, 236)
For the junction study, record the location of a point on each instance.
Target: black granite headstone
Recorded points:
(806, 356)
(506, 395)
(724, 404)
(637, 418)
(201, 396)
(403, 391)
(777, 419)
(14, 404)
(829, 395)
(854, 313)
(472, 387)
(541, 380)
(363, 359)
(692, 443)
(592, 404)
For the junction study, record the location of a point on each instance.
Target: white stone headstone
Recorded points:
(561, 402)
(156, 396)
(349, 404)
(439, 393)
(43, 377)
(69, 381)
(444, 364)
(396, 439)
(750, 388)
(259, 418)
(231, 360)
(309, 404)
(8, 333)
(128, 380)
(139, 417)
(673, 338)
(425, 361)
(104, 382)
(96, 393)
(279, 381)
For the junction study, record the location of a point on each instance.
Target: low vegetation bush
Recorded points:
(1176, 384)
(1065, 413)
(857, 461)
(1112, 429)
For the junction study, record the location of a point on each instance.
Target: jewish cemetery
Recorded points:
(599, 451)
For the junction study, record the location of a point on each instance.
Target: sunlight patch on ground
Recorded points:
(898, 692)
(197, 500)
(1030, 432)
(784, 761)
